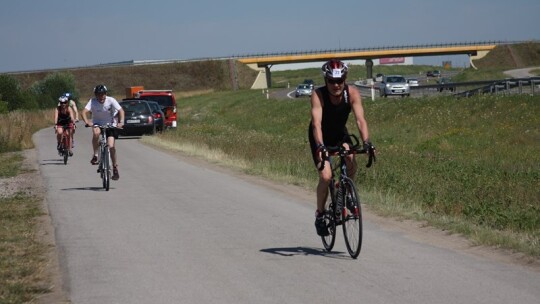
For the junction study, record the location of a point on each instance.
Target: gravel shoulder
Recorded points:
(29, 182)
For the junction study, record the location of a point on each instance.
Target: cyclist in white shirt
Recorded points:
(103, 109)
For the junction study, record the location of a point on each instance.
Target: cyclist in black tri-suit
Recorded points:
(330, 109)
(63, 117)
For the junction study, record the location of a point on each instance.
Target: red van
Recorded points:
(165, 98)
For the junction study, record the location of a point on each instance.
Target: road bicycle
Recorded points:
(104, 157)
(65, 144)
(343, 203)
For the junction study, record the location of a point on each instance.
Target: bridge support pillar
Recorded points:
(268, 76)
(369, 67)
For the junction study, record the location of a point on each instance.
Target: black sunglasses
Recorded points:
(334, 81)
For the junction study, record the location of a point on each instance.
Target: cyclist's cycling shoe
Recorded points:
(320, 225)
(58, 147)
(70, 153)
(115, 175)
(94, 160)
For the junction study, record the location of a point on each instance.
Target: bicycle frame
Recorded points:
(339, 171)
(104, 167)
(65, 143)
(343, 208)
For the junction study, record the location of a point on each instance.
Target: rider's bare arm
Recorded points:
(85, 116)
(316, 117)
(73, 106)
(121, 116)
(55, 116)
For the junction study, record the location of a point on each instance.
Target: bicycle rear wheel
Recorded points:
(330, 221)
(352, 220)
(105, 169)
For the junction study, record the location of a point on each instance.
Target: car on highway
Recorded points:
(394, 85)
(309, 82)
(413, 82)
(435, 73)
(446, 84)
(303, 90)
(139, 119)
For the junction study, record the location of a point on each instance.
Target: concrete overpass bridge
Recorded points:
(475, 50)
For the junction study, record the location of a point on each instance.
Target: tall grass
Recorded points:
(449, 160)
(22, 256)
(473, 158)
(17, 127)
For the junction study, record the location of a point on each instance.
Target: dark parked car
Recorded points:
(139, 118)
(159, 115)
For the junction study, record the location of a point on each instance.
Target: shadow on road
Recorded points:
(85, 189)
(47, 162)
(306, 251)
(128, 137)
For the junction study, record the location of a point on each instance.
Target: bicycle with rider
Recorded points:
(330, 109)
(73, 106)
(63, 118)
(103, 109)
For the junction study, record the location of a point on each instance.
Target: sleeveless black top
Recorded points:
(334, 117)
(63, 118)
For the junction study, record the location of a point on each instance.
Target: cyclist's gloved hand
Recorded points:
(370, 150)
(369, 147)
(321, 149)
(322, 152)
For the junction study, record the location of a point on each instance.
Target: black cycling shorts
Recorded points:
(330, 140)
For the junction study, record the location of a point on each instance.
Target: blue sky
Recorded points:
(71, 33)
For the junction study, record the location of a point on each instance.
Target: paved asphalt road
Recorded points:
(521, 73)
(175, 231)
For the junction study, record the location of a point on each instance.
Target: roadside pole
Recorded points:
(370, 81)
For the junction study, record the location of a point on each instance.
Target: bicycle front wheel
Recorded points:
(65, 148)
(352, 219)
(330, 221)
(106, 169)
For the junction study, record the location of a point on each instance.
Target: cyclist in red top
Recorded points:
(330, 109)
(73, 106)
(63, 117)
